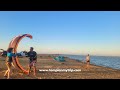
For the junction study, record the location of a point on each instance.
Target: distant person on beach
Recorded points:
(32, 60)
(9, 62)
(87, 61)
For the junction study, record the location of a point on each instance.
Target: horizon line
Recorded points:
(79, 54)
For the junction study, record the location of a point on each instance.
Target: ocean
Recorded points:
(105, 61)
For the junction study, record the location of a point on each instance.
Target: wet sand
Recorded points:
(46, 62)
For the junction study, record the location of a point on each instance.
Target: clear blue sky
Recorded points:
(66, 32)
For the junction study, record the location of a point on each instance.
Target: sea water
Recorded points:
(106, 61)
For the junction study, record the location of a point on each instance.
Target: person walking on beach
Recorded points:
(32, 60)
(9, 62)
(88, 61)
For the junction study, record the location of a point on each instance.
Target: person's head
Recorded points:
(88, 54)
(31, 48)
(10, 50)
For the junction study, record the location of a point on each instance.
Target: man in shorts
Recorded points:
(88, 61)
(32, 60)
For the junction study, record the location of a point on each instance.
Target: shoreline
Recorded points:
(96, 65)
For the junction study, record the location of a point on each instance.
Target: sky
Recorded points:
(63, 32)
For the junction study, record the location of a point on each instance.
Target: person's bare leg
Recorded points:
(88, 65)
(13, 64)
(5, 75)
(34, 70)
(35, 73)
(9, 71)
(12, 71)
(29, 70)
(6, 71)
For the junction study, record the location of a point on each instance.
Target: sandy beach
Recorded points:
(46, 62)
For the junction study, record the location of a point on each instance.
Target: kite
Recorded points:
(14, 44)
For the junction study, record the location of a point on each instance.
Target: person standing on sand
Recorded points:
(87, 61)
(32, 60)
(9, 62)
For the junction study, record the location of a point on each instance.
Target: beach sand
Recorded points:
(46, 62)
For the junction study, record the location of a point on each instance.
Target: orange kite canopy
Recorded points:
(14, 44)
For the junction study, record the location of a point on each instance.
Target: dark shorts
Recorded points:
(10, 60)
(32, 63)
(88, 62)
